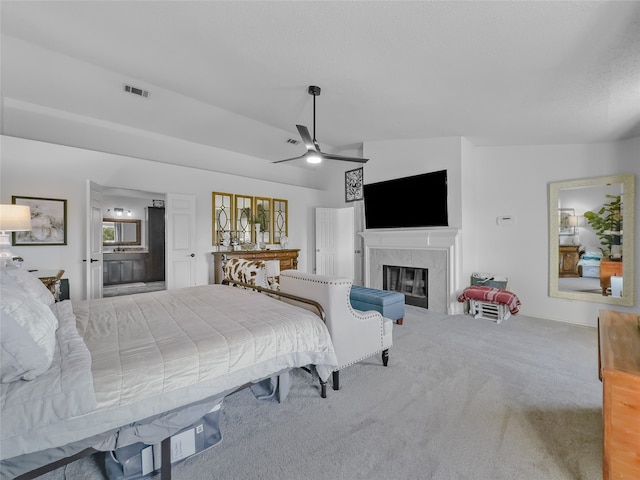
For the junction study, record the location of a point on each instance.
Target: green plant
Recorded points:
(607, 222)
(261, 218)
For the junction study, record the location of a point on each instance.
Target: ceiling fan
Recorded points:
(313, 153)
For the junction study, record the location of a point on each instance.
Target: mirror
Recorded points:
(243, 216)
(222, 218)
(592, 238)
(280, 221)
(118, 231)
(263, 217)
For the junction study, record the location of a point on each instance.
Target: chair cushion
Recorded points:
(374, 296)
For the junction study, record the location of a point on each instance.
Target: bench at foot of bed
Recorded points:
(389, 304)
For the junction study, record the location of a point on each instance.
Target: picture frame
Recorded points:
(353, 181)
(563, 221)
(48, 221)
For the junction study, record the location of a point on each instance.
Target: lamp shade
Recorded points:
(573, 220)
(15, 218)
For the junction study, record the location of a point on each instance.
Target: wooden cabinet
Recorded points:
(569, 257)
(607, 270)
(288, 259)
(619, 365)
(124, 268)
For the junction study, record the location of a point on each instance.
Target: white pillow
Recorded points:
(31, 284)
(20, 357)
(39, 323)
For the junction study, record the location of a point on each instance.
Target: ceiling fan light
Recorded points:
(314, 158)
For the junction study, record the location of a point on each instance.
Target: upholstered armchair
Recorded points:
(252, 272)
(355, 335)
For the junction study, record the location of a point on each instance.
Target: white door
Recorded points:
(181, 240)
(93, 249)
(335, 232)
(326, 240)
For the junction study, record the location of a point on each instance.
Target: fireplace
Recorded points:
(410, 281)
(434, 249)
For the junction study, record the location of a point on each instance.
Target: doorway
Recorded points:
(134, 251)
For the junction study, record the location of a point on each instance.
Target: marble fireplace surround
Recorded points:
(436, 249)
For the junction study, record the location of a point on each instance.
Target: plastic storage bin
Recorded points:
(591, 271)
(139, 460)
(489, 280)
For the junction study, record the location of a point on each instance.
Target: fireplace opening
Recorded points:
(411, 281)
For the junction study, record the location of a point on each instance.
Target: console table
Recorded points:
(288, 259)
(619, 370)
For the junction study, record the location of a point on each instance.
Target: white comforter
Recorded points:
(158, 351)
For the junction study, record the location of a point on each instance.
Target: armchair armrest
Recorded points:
(355, 335)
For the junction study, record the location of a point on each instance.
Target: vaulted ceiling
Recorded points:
(234, 74)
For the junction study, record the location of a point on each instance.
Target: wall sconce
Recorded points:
(13, 218)
(119, 212)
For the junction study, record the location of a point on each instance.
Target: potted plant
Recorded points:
(607, 223)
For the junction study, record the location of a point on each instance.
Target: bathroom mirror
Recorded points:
(580, 266)
(118, 231)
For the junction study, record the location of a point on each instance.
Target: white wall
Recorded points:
(39, 169)
(521, 176)
(513, 180)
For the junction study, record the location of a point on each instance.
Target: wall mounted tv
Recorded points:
(416, 201)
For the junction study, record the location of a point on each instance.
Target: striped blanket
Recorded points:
(491, 295)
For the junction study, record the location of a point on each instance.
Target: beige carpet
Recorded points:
(462, 399)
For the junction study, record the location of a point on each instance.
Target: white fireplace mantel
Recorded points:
(423, 247)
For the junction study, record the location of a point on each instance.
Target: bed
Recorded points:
(589, 262)
(97, 370)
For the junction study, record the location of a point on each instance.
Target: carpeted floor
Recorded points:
(461, 399)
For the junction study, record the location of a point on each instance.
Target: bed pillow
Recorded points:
(20, 356)
(31, 284)
(28, 335)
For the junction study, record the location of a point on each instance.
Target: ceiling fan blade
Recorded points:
(306, 138)
(290, 159)
(331, 156)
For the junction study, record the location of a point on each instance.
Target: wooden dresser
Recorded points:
(569, 258)
(288, 259)
(619, 370)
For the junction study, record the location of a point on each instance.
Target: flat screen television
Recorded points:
(416, 201)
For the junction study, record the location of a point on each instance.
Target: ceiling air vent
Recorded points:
(136, 91)
(293, 141)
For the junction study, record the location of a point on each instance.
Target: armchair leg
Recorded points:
(336, 380)
(385, 357)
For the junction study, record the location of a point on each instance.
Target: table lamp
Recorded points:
(13, 218)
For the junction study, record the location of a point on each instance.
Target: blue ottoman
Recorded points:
(389, 304)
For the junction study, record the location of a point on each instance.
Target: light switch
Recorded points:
(506, 221)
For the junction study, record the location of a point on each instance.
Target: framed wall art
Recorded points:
(48, 222)
(353, 184)
(564, 227)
